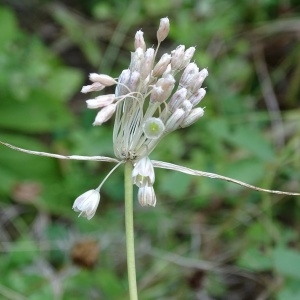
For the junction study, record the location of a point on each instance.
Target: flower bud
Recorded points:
(105, 114)
(103, 79)
(100, 101)
(175, 120)
(139, 41)
(197, 97)
(143, 172)
(163, 30)
(161, 66)
(153, 128)
(187, 107)
(122, 83)
(95, 87)
(177, 57)
(177, 99)
(146, 196)
(167, 71)
(134, 81)
(87, 203)
(136, 60)
(188, 54)
(147, 63)
(194, 116)
(163, 89)
(188, 74)
(197, 80)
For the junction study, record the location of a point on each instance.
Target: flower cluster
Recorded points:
(149, 103)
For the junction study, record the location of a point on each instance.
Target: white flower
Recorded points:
(87, 203)
(146, 196)
(153, 128)
(143, 172)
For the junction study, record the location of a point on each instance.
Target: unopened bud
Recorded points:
(197, 80)
(167, 71)
(161, 66)
(163, 30)
(136, 59)
(100, 101)
(139, 41)
(187, 107)
(147, 63)
(103, 79)
(105, 114)
(177, 57)
(95, 87)
(175, 120)
(197, 97)
(177, 99)
(134, 81)
(188, 73)
(188, 54)
(123, 80)
(194, 116)
(163, 89)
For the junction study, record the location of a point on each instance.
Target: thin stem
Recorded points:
(130, 231)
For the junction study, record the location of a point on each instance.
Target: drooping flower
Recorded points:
(146, 196)
(143, 172)
(87, 203)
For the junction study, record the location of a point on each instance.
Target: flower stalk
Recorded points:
(128, 186)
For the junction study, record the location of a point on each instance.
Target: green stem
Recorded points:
(130, 231)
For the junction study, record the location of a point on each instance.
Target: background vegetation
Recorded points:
(205, 239)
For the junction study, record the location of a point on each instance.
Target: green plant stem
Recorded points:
(130, 231)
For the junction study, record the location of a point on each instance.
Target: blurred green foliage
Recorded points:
(205, 239)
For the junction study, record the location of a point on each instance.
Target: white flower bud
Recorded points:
(122, 83)
(87, 203)
(147, 63)
(100, 101)
(136, 60)
(139, 41)
(146, 196)
(177, 99)
(143, 172)
(175, 120)
(197, 97)
(163, 89)
(187, 107)
(188, 73)
(153, 128)
(197, 80)
(163, 30)
(134, 81)
(188, 54)
(167, 71)
(194, 116)
(105, 114)
(95, 87)
(103, 79)
(177, 57)
(161, 66)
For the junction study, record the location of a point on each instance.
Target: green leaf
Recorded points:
(255, 260)
(287, 262)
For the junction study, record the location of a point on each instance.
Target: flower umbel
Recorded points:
(149, 104)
